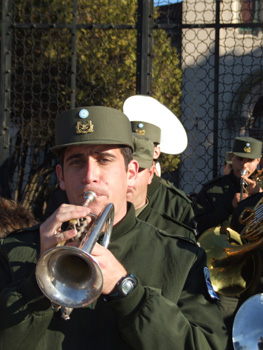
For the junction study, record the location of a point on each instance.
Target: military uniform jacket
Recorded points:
(166, 198)
(169, 309)
(214, 202)
(165, 223)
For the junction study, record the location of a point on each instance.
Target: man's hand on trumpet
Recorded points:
(50, 231)
(252, 186)
(112, 270)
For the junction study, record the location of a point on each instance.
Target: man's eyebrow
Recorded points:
(73, 156)
(104, 153)
(95, 153)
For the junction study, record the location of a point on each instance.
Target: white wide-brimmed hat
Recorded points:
(146, 109)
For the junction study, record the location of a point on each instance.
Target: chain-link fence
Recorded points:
(203, 60)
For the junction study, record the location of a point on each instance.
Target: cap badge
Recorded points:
(247, 148)
(83, 113)
(84, 128)
(140, 131)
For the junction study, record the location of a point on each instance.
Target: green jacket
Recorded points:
(166, 198)
(169, 309)
(214, 202)
(165, 222)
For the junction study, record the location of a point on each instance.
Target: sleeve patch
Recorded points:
(209, 285)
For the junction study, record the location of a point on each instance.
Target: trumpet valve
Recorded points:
(80, 225)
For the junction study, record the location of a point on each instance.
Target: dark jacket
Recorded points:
(169, 309)
(214, 202)
(167, 199)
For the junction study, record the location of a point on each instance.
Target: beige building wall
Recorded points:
(240, 58)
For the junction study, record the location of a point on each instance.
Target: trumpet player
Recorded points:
(218, 198)
(156, 291)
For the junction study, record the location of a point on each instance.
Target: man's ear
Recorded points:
(151, 173)
(59, 172)
(133, 168)
(157, 152)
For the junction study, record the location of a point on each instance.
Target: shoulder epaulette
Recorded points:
(171, 186)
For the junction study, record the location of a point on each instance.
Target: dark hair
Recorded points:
(127, 155)
(125, 151)
(14, 216)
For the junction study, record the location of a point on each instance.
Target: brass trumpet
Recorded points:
(69, 276)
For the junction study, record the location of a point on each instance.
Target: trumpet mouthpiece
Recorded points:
(89, 197)
(243, 172)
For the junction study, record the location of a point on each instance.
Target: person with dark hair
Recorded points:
(155, 289)
(14, 216)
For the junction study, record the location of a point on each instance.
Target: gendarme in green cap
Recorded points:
(92, 125)
(143, 151)
(247, 147)
(151, 131)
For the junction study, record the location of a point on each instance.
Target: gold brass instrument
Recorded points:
(252, 219)
(256, 176)
(229, 252)
(69, 276)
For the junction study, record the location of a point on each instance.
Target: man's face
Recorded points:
(138, 192)
(97, 168)
(238, 164)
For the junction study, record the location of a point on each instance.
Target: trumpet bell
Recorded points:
(69, 276)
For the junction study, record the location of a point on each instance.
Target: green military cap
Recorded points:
(151, 131)
(143, 151)
(247, 147)
(228, 158)
(92, 125)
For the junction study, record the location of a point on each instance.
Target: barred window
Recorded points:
(249, 13)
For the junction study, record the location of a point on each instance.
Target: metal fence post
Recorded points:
(5, 95)
(144, 47)
(216, 90)
(74, 56)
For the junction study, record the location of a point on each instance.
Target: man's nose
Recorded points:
(90, 172)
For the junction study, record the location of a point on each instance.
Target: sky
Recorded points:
(165, 2)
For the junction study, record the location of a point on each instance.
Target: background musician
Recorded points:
(156, 290)
(218, 198)
(216, 203)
